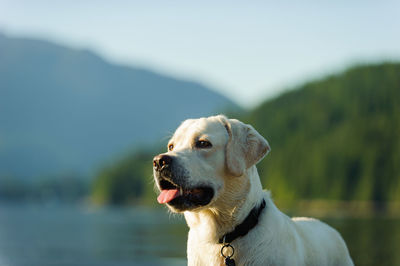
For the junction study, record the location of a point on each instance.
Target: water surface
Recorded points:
(60, 235)
(68, 235)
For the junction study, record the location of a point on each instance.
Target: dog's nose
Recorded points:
(161, 161)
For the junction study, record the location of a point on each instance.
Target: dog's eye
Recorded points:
(170, 147)
(203, 144)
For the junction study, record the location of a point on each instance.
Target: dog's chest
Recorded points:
(204, 254)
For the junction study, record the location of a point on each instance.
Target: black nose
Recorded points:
(161, 161)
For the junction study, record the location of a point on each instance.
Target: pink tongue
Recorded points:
(167, 195)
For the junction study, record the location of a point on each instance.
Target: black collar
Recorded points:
(242, 229)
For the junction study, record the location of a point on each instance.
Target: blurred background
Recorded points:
(90, 91)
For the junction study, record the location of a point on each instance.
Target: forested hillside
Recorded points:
(336, 138)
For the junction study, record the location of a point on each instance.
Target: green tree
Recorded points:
(127, 181)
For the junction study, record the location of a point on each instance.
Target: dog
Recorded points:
(209, 175)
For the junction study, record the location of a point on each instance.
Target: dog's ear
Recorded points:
(245, 147)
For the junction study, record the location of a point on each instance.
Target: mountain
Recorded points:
(335, 138)
(69, 110)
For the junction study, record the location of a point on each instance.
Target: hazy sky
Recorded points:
(247, 50)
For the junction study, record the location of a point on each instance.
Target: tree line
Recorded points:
(337, 138)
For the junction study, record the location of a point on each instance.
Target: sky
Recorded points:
(247, 50)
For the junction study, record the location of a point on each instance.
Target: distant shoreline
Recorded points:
(318, 208)
(341, 209)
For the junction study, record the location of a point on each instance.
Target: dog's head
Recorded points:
(203, 156)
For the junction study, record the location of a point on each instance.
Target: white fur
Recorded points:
(229, 167)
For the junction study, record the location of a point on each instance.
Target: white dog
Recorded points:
(209, 174)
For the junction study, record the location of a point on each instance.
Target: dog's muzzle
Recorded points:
(175, 191)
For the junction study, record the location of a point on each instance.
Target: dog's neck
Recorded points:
(241, 195)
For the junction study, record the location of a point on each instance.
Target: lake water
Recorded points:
(59, 235)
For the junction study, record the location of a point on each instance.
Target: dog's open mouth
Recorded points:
(184, 198)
